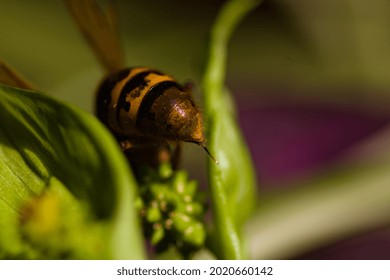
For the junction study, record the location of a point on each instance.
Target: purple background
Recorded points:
(288, 141)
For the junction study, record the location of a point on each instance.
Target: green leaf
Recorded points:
(41, 140)
(232, 181)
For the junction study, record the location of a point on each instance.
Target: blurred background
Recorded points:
(310, 78)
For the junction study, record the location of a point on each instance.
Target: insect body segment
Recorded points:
(141, 106)
(144, 103)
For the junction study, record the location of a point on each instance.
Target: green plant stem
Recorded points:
(226, 22)
(232, 181)
(326, 210)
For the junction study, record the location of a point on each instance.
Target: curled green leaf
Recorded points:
(42, 139)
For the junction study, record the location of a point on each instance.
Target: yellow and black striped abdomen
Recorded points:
(147, 103)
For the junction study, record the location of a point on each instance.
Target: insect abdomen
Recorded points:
(143, 102)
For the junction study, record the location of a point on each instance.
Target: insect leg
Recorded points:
(175, 157)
